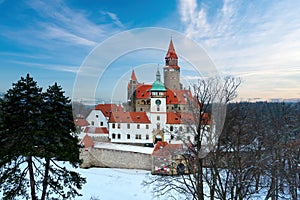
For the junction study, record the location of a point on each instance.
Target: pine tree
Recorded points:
(60, 146)
(35, 137)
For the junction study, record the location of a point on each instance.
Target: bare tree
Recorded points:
(208, 108)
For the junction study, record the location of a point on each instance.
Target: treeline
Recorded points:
(258, 153)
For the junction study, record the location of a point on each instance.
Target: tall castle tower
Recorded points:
(172, 70)
(132, 85)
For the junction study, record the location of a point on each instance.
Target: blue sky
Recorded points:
(257, 40)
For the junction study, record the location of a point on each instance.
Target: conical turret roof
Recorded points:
(171, 51)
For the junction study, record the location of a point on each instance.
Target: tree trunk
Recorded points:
(31, 178)
(45, 181)
(200, 192)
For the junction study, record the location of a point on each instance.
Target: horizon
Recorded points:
(257, 41)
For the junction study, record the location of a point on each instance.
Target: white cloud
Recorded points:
(56, 67)
(254, 40)
(114, 18)
(61, 34)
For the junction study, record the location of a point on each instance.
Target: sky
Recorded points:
(258, 41)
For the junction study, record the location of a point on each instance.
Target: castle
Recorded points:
(154, 112)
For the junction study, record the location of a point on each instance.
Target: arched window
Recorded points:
(119, 136)
(113, 136)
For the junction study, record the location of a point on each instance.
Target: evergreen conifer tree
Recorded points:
(35, 138)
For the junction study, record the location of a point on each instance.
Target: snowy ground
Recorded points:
(115, 184)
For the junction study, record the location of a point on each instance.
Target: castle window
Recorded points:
(138, 126)
(119, 136)
(147, 137)
(141, 109)
(158, 108)
(128, 126)
(171, 128)
(101, 123)
(147, 126)
(138, 136)
(158, 126)
(97, 116)
(113, 136)
(158, 118)
(119, 126)
(180, 128)
(113, 125)
(128, 136)
(93, 123)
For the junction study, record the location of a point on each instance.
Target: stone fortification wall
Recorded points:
(101, 157)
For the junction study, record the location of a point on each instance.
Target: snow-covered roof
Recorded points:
(124, 147)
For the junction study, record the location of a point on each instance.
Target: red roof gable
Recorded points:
(159, 144)
(81, 122)
(168, 149)
(97, 130)
(106, 109)
(87, 141)
(129, 117)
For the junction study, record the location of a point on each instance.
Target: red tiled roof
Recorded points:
(129, 117)
(171, 51)
(98, 130)
(143, 91)
(87, 141)
(167, 150)
(106, 109)
(81, 122)
(159, 144)
(133, 77)
(172, 96)
(186, 118)
(179, 118)
(178, 96)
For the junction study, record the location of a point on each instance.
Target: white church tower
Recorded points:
(158, 108)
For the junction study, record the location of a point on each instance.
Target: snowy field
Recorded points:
(115, 184)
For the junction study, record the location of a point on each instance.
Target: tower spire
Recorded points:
(158, 75)
(171, 56)
(133, 77)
